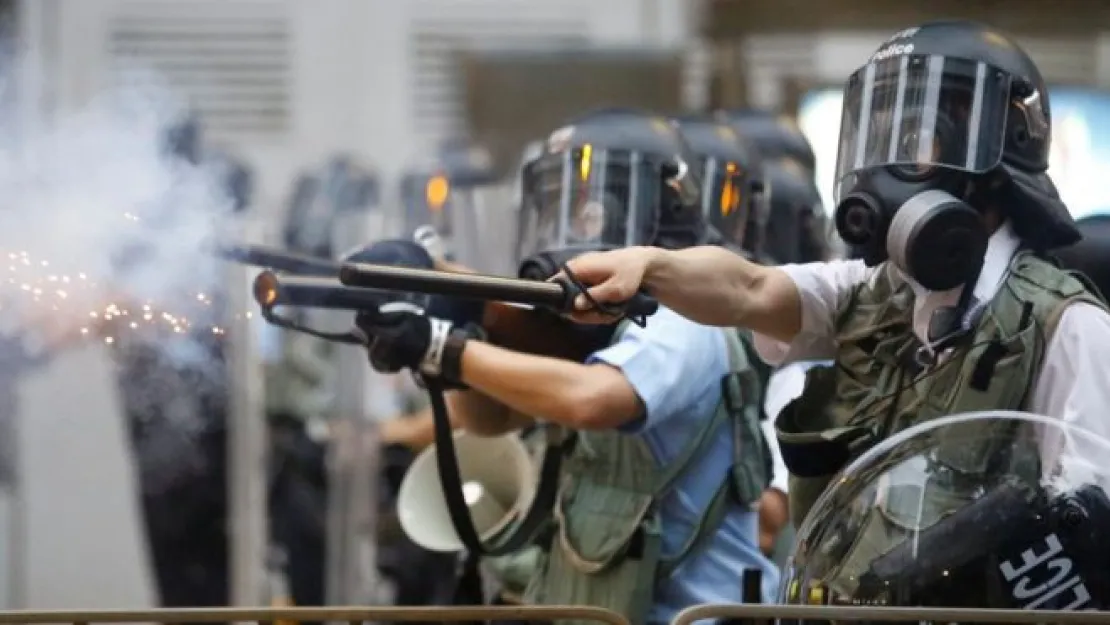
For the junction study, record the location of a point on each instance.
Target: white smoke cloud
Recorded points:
(98, 220)
(107, 236)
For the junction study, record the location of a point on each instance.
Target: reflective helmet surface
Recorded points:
(992, 509)
(732, 181)
(610, 178)
(773, 135)
(797, 225)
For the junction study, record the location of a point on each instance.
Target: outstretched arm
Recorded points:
(709, 285)
(714, 286)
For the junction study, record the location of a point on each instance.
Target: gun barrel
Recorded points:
(279, 260)
(271, 289)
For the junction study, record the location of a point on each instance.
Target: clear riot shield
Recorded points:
(484, 223)
(1001, 510)
(476, 221)
(352, 461)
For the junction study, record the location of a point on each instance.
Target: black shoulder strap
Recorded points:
(448, 467)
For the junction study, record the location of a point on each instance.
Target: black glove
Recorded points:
(403, 337)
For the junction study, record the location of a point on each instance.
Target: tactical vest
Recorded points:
(603, 547)
(878, 387)
(300, 386)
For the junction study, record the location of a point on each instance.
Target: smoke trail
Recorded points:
(100, 219)
(104, 235)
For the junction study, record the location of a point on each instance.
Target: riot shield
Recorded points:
(461, 197)
(476, 222)
(485, 226)
(1000, 509)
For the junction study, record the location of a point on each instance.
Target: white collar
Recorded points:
(1001, 247)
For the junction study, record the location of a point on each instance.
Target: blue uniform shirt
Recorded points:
(676, 366)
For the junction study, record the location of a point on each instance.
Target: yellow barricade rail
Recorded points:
(766, 613)
(351, 615)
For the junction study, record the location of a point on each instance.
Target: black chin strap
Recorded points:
(447, 465)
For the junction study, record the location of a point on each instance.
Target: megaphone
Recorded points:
(499, 481)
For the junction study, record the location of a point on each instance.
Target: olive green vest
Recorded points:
(603, 548)
(301, 384)
(876, 387)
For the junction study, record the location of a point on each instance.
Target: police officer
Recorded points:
(985, 510)
(644, 492)
(952, 307)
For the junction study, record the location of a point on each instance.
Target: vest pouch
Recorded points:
(514, 571)
(875, 537)
(604, 552)
(997, 375)
(816, 443)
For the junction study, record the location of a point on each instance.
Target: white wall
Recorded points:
(350, 69)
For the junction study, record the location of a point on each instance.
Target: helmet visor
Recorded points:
(589, 198)
(725, 198)
(919, 112)
(473, 220)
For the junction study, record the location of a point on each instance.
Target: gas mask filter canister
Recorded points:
(937, 240)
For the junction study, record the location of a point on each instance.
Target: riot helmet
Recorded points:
(944, 121)
(995, 509)
(319, 198)
(1091, 255)
(731, 182)
(797, 226)
(608, 179)
(775, 136)
(460, 195)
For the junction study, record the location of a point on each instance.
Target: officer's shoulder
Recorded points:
(840, 273)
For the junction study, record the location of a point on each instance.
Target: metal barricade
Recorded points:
(348, 614)
(769, 613)
(736, 612)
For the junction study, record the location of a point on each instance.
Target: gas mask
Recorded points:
(923, 227)
(921, 136)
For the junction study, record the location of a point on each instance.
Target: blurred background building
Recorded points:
(286, 85)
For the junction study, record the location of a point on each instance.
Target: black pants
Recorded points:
(185, 520)
(298, 507)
